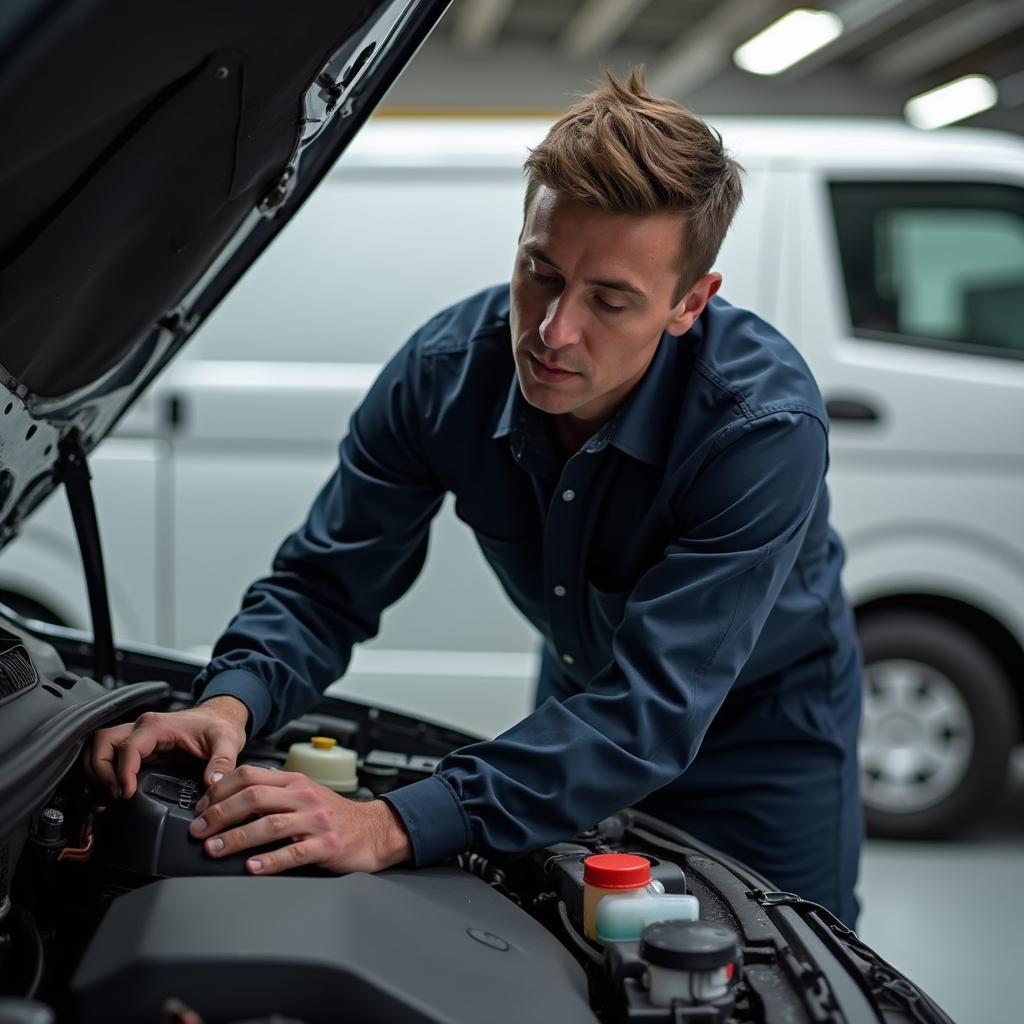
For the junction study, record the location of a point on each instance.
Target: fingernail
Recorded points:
(216, 777)
(215, 845)
(198, 827)
(202, 805)
(255, 865)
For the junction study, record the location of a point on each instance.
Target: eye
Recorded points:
(607, 306)
(541, 278)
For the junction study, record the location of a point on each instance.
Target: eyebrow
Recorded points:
(602, 282)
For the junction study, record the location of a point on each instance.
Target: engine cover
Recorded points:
(434, 945)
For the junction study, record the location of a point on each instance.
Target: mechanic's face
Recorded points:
(592, 293)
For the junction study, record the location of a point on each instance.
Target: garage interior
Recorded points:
(944, 909)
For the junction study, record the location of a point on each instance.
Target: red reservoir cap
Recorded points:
(617, 871)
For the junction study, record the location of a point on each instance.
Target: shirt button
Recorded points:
(560, 591)
(568, 659)
(568, 494)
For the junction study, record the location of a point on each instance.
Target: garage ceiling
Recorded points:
(534, 54)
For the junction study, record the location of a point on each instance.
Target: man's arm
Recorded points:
(689, 626)
(361, 547)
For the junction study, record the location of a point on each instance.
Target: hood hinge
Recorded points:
(73, 471)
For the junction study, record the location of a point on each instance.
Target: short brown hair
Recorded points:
(622, 150)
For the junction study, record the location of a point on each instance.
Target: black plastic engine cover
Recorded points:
(148, 834)
(434, 945)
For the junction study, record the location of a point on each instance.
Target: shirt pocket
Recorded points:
(519, 566)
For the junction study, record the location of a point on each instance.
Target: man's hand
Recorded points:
(213, 731)
(326, 829)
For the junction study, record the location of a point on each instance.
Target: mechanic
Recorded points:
(643, 466)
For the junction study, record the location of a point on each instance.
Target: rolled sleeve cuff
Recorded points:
(437, 825)
(243, 686)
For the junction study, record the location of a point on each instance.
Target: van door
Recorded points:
(907, 292)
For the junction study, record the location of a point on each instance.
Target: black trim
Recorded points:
(939, 344)
(35, 765)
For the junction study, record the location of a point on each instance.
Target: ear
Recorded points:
(692, 304)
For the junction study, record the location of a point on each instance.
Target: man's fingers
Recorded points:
(231, 810)
(147, 734)
(293, 856)
(100, 761)
(222, 761)
(240, 779)
(271, 828)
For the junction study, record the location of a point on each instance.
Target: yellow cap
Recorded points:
(323, 742)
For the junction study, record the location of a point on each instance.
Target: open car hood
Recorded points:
(151, 152)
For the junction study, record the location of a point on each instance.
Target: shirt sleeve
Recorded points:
(690, 624)
(361, 547)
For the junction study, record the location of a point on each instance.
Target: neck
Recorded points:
(573, 432)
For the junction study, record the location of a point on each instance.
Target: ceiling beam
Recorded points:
(862, 20)
(478, 23)
(598, 25)
(706, 48)
(957, 34)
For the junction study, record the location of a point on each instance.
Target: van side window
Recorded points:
(934, 263)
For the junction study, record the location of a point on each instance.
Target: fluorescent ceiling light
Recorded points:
(963, 97)
(787, 41)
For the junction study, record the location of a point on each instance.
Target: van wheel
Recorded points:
(938, 727)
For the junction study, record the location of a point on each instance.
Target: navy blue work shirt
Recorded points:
(683, 551)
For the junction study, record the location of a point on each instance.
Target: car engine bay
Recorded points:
(111, 912)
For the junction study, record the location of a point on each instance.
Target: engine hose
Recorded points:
(578, 940)
(29, 924)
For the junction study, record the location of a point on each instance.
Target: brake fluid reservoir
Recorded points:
(324, 762)
(619, 874)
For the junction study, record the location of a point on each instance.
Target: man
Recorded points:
(643, 466)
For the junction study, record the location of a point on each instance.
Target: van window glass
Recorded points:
(931, 263)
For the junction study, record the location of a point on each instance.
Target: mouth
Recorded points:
(548, 374)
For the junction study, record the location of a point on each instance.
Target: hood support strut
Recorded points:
(73, 471)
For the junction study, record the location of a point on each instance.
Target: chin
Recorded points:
(546, 400)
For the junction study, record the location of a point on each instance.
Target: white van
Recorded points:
(894, 259)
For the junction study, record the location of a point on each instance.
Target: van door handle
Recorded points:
(851, 410)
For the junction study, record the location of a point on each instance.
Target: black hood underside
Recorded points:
(138, 137)
(151, 151)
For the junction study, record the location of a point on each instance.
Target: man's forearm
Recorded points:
(231, 708)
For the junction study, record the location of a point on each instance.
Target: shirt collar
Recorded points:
(505, 420)
(642, 426)
(644, 423)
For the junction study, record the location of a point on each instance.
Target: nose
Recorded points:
(560, 326)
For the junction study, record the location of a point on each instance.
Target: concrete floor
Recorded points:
(950, 915)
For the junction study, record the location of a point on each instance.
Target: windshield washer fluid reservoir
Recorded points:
(324, 762)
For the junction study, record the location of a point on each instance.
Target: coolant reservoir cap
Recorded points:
(617, 871)
(689, 945)
(323, 742)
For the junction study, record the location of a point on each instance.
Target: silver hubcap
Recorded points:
(916, 737)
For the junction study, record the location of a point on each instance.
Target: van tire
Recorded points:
(937, 652)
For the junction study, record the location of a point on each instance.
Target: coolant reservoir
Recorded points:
(324, 762)
(623, 918)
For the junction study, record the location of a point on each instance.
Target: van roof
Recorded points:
(502, 142)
